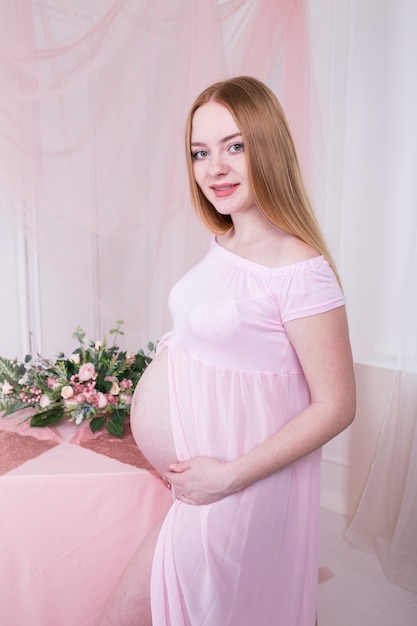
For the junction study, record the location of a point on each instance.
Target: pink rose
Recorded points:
(102, 400)
(87, 371)
(70, 402)
(90, 396)
(126, 398)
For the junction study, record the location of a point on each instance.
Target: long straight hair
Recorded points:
(273, 167)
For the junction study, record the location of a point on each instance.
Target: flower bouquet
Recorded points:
(96, 382)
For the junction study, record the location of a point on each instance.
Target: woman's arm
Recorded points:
(323, 348)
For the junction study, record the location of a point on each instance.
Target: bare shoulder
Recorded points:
(272, 247)
(290, 249)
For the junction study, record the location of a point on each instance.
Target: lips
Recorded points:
(222, 191)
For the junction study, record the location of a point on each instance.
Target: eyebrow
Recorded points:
(228, 138)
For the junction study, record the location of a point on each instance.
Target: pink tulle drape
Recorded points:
(93, 100)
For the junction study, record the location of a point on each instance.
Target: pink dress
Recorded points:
(250, 559)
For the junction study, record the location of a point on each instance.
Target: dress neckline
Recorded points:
(291, 268)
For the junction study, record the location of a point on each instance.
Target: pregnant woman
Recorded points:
(254, 378)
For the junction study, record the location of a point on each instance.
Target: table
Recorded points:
(73, 508)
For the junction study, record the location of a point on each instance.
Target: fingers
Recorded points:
(179, 467)
(175, 468)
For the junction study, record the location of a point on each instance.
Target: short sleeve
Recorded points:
(311, 288)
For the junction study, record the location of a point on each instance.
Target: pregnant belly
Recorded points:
(150, 417)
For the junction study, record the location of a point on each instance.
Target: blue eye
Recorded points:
(236, 147)
(199, 154)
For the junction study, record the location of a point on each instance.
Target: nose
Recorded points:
(218, 164)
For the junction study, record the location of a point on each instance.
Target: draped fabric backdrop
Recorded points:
(386, 518)
(96, 221)
(93, 105)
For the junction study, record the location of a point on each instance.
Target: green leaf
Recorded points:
(79, 334)
(118, 416)
(115, 429)
(115, 425)
(45, 419)
(97, 423)
(11, 371)
(13, 406)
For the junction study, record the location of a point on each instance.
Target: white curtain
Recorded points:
(386, 49)
(386, 518)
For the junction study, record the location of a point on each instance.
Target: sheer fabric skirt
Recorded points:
(252, 557)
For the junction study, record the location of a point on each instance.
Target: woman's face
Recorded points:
(219, 160)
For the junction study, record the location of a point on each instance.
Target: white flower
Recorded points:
(79, 418)
(130, 358)
(67, 392)
(75, 357)
(98, 345)
(115, 389)
(44, 401)
(6, 388)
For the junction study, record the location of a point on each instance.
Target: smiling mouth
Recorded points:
(223, 187)
(223, 191)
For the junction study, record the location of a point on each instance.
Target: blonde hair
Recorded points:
(272, 162)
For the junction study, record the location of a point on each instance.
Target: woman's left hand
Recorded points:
(200, 480)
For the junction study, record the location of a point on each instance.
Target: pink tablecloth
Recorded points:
(71, 515)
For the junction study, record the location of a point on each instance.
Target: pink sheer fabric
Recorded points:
(92, 108)
(386, 516)
(234, 380)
